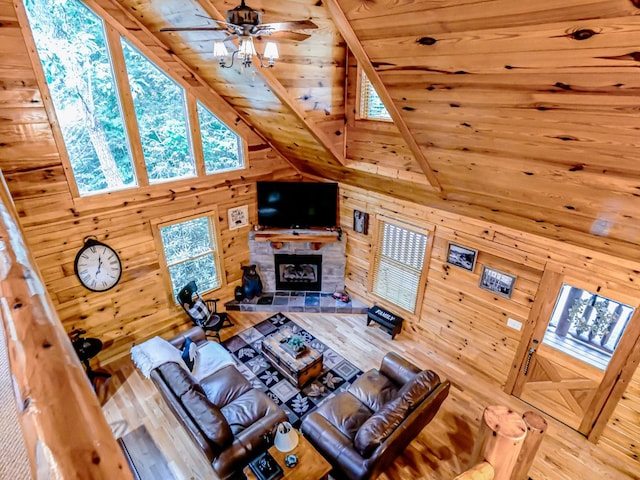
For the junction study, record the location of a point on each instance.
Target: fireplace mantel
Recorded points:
(278, 237)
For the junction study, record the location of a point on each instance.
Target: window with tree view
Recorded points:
(191, 253)
(73, 50)
(371, 106)
(79, 66)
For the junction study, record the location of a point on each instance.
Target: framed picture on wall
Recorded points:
(462, 257)
(360, 222)
(497, 282)
(238, 217)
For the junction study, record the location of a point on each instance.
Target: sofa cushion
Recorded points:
(225, 385)
(208, 417)
(177, 378)
(345, 412)
(373, 389)
(247, 409)
(417, 389)
(380, 425)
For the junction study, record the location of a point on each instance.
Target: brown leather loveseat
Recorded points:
(361, 431)
(225, 415)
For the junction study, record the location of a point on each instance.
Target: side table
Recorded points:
(311, 465)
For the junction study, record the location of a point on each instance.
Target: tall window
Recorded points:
(398, 264)
(161, 110)
(222, 147)
(79, 68)
(73, 50)
(191, 252)
(371, 107)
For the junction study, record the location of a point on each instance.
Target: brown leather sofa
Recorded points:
(227, 418)
(362, 431)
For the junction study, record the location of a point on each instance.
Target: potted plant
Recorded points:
(296, 344)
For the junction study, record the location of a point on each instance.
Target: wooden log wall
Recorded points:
(55, 223)
(468, 325)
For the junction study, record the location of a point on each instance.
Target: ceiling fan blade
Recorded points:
(297, 25)
(290, 35)
(191, 29)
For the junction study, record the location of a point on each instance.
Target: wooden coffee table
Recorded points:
(298, 370)
(311, 465)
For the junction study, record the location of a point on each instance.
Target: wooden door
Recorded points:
(575, 350)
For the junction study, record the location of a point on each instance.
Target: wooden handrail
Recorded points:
(65, 432)
(481, 471)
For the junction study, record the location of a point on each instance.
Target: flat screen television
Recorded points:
(297, 204)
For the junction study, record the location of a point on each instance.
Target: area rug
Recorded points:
(337, 374)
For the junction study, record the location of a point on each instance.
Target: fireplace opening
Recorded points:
(298, 272)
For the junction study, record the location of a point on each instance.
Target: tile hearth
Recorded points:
(293, 301)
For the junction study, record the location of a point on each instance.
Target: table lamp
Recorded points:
(286, 437)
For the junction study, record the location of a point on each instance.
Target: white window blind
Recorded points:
(371, 107)
(398, 264)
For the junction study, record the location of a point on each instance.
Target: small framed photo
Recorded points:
(462, 257)
(497, 282)
(360, 222)
(238, 217)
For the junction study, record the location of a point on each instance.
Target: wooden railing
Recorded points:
(66, 435)
(506, 445)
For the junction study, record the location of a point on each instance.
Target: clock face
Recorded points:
(98, 266)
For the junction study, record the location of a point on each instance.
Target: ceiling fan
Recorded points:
(245, 23)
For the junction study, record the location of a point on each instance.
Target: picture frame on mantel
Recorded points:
(497, 282)
(360, 222)
(238, 217)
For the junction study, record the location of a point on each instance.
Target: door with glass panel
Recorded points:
(579, 338)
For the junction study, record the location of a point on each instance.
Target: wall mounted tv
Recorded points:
(297, 204)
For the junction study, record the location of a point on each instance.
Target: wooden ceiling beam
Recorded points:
(283, 95)
(347, 32)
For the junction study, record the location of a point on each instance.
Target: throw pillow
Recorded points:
(199, 311)
(190, 354)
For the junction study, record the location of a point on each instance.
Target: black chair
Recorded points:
(203, 313)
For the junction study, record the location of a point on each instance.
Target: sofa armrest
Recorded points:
(247, 444)
(399, 370)
(409, 429)
(334, 445)
(181, 414)
(194, 333)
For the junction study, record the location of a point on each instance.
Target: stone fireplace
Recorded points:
(324, 260)
(299, 273)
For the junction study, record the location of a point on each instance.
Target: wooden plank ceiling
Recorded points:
(522, 113)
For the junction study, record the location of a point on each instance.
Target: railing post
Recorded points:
(536, 428)
(500, 438)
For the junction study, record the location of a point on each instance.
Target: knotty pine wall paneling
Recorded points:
(466, 325)
(55, 223)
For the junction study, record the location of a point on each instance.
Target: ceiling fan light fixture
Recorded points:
(247, 48)
(271, 52)
(220, 50)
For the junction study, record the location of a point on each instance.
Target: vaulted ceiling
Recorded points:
(523, 113)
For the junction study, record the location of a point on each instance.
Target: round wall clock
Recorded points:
(97, 266)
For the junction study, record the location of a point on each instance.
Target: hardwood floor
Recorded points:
(440, 452)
